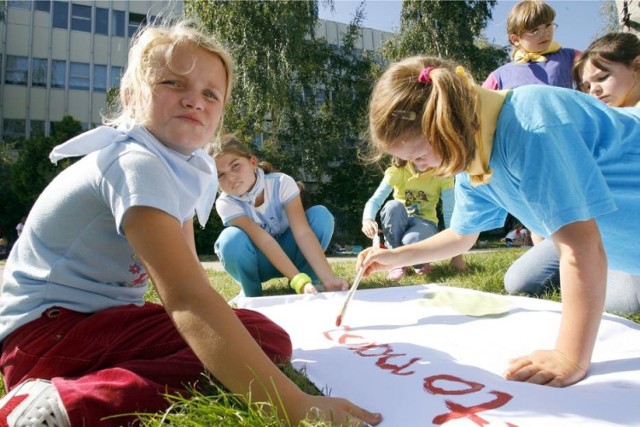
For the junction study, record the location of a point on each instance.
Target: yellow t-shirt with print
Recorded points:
(419, 192)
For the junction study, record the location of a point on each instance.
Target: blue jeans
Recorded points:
(535, 272)
(250, 267)
(538, 271)
(400, 229)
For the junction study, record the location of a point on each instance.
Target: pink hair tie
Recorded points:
(425, 75)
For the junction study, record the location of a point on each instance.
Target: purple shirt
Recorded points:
(555, 71)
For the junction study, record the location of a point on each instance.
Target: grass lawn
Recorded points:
(485, 271)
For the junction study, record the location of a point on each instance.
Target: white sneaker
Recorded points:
(34, 403)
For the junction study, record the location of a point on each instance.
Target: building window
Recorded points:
(37, 127)
(21, 4)
(58, 73)
(117, 23)
(81, 18)
(102, 21)
(13, 129)
(60, 15)
(39, 72)
(17, 68)
(43, 5)
(100, 78)
(116, 75)
(79, 76)
(136, 20)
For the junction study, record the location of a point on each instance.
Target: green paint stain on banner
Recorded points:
(468, 304)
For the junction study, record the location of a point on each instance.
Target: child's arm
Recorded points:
(372, 207)
(310, 247)
(583, 275)
(446, 244)
(189, 236)
(210, 327)
(448, 202)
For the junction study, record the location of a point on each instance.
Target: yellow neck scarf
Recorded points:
(521, 56)
(489, 105)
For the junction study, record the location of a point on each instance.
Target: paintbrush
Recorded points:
(356, 283)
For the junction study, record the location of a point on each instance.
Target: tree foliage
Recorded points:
(26, 171)
(447, 29)
(610, 18)
(267, 40)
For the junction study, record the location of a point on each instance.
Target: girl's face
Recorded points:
(186, 108)
(617, 87)
(236, 174)
(415, 150)
(536, 40)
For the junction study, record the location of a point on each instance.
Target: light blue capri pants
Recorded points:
(250, 267)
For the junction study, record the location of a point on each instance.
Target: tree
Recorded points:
(29, 171)
(448, 29)
(268, 40)
(609, 16)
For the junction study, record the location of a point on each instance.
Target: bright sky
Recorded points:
(578, 20)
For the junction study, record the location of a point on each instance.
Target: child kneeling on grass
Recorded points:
(269, 234)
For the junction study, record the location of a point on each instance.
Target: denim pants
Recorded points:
(400, 229)
(250, 267)
(117, 361)
(538, 271)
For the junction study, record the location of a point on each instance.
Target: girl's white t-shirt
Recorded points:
(279, 190)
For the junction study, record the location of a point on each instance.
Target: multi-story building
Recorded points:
(61, 57)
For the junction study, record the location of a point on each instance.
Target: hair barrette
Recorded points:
(404, 114)
(425, 75)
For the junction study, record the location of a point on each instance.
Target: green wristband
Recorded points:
(298, 282)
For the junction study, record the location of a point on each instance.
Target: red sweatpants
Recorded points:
(117, 361)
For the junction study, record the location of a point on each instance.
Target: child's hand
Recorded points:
(369, 228)
(335, 284)
(545, 367)
(309, 289)
(340, 412)
(458, 263)
(376, 259)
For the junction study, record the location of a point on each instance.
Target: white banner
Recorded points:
(434, 355)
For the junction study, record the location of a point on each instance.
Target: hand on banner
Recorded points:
(335, 284)
(369, 228)
(545, 367)
(341, 412)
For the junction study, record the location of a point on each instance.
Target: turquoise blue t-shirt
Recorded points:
(561, 156)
